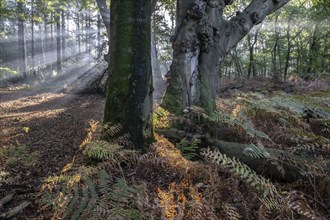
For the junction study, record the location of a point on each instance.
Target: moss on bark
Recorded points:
(129, 97)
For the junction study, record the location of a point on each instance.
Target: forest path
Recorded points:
(41, 130)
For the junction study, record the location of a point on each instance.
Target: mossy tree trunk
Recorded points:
(202, 39)
(129, 94)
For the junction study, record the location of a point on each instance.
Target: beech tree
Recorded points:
(129, 95)
(202, 39)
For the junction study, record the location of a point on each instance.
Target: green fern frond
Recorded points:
(113, 153)
(100, 199)
(188, 149)
(242, 121)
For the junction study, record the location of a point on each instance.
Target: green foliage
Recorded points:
(241, 121)
(109, 152)
(188, 148)
(161, 118)
(19, 155)
(6, 72)
(97, 198)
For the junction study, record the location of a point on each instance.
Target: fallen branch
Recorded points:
(279, 164)
(6, 199)
(15, 210)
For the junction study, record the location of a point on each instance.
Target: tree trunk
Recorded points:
(129, 94)
(58, 44)
(201, 41)
(252, 64)
(98, 31)
(86, 32)
(288, 52)
(105, 15)
(32, 38)
(46, 43)
(52, 46)
(21, 40)
(78, 32)
(63, 35)
(41, 43)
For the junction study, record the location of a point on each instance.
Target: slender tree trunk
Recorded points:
(276, 71)
(21, 40)
(2, 45)
(58, 44)
(129, 96)
(252, 64)
(159, 83)
(45, 42)
(63, 35)
(52, 46)
(86, 32)
(105, 14)
(98, 31)
(202, 40)
(78, 32)
(89, 32)
(313, 52)
(42, 45)
(288, 52)
(32, 40)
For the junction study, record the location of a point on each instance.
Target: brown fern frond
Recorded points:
(298, 203)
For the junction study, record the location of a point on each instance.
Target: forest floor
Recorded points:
(44, 127)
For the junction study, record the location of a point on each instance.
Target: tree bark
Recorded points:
(78, 32)
(105, 15)
(252, 64)
(129, 94)
(98, 31)
(32, 38)
(58, 44)
(202, 40)
(63, 35)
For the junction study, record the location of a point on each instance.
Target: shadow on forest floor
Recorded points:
(49, 120)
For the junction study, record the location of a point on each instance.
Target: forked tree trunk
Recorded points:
(129, 95)
(202, 40)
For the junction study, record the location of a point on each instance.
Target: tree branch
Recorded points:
(105, 14)
(239, 26)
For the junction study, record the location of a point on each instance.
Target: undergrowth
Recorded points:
(119, 183)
